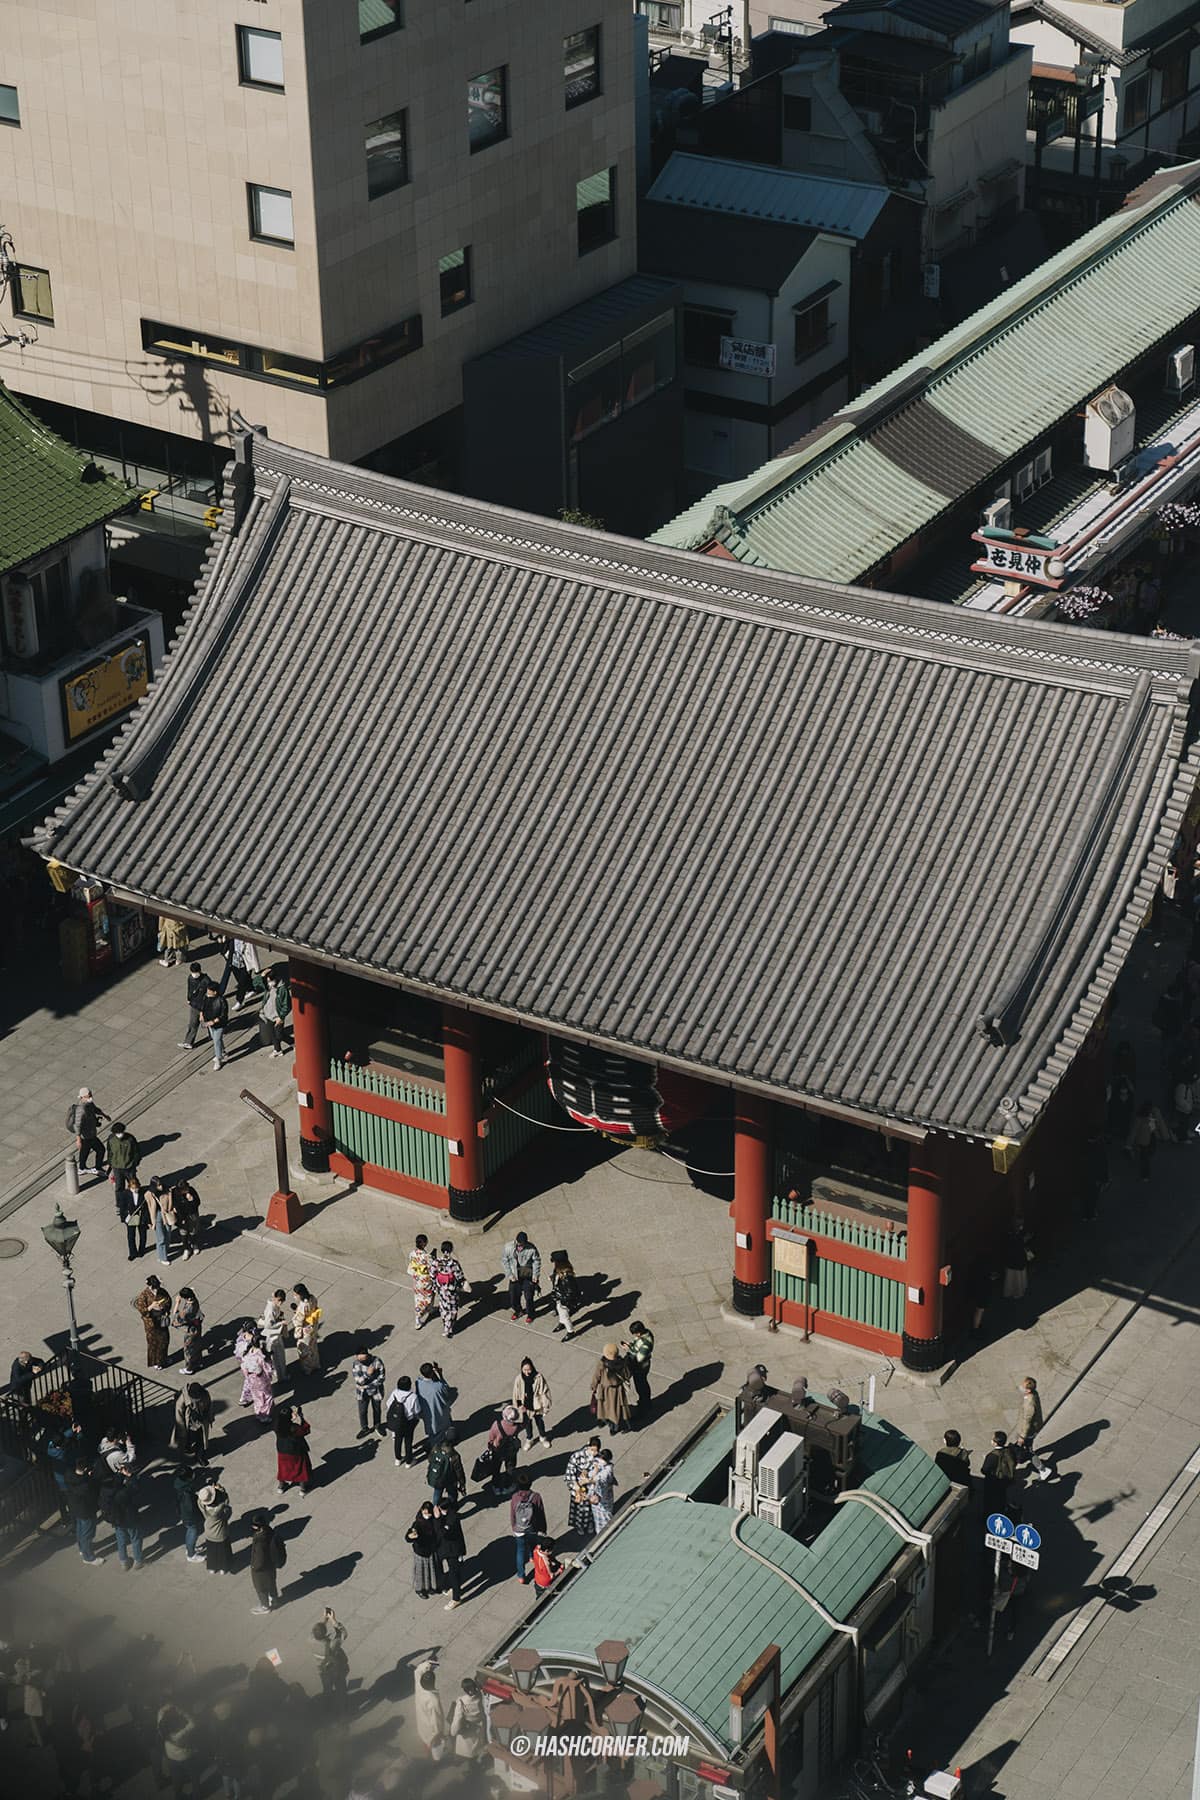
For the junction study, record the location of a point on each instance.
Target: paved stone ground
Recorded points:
(654, 1246)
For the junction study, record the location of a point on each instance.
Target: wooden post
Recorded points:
(468, 1186)
(752, 1183)
(310, 1024)
(923, 1344)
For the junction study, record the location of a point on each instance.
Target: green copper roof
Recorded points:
(939, 425)
(44, 498)
(696, 1611)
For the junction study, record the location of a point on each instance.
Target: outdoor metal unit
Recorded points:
(788, 1511)
(1181, 369)
(753, 1439)
(741, 1493)
(781, 1466)
(1109, 429)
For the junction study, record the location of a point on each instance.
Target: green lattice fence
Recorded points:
(389, 1087)
(836, 1288)
(405, 1149)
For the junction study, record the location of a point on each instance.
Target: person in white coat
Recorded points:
(428, 1715)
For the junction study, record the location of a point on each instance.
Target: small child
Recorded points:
(545, 1564)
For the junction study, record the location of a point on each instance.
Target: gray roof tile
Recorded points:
(775, 832)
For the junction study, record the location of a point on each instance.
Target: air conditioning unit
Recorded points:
(1109, 429)
(741, 1493)
(781, 1466)
(999, 515)
(1181, 369)
(753, 1439)
(788, 1511)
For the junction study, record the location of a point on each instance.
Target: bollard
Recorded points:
(71, 1172)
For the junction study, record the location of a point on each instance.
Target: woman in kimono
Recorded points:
(420, 1273)
(449, 1285)
(292, 1465)
(154, 1304)
(257, 1388)
(601, 1480)
(579, 1498)
(188, 1318)
(306, 1325)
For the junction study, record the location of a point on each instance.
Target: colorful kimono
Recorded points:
(154, 1304)
(256, 1387)
(579, 1511)
(306, 1325)
(449, 1283)
(601, 1482)
(420, 1273)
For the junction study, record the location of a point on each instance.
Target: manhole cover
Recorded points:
(11, 1247)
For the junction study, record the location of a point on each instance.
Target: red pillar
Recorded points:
(468, 1185)
(923, 1345)
(753, 1178)
(310, 1024)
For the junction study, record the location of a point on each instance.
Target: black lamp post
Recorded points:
(62, 1235)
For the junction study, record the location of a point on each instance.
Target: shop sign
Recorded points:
(105, 689)
(1015, 561)
(745, 357)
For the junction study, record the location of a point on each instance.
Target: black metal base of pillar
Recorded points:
(314, 1156)
(922, 1354)
(748, 1297)
(469, 1204)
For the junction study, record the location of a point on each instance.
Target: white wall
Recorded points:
(975, 131)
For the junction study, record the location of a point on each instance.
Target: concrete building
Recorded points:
(1115, 93)
(311, 214)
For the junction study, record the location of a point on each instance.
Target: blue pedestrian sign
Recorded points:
(1028, 1538)
(1001, 1526)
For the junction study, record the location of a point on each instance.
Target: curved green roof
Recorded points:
(46, 493)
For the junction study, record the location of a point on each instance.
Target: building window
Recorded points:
(812, 330)
(10, 105)
(377, 17)
(620, 377)
(271, 215)
(797, 112)
(703, 330)
(1135, 103)
(664, 15)
(487, 109)
(31, 296)
(454, 276)
(1175, 66)
(387, 154)
(260, 57)
(596, 210)
(181, 344)
(581, 65)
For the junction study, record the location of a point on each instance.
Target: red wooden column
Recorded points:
(310, 1024)
(752, 1183)
(923, 1345)
(468, 1184)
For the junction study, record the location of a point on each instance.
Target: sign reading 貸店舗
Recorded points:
(105, 688)
(1012, 560)
(745, 357)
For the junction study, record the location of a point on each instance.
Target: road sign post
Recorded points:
(998, 1537)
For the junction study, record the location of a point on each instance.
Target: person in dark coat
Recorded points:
(451, 1550)
(267, 1557)
(82, 1501)
(121, 1504)
(21, 1376)
(422, 1535)
(999, 1471)
(183, 1487)
(953, 1460)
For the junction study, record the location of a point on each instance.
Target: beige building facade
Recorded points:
(310, 212)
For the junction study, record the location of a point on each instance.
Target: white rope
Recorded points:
(850, 1631)
(722, 1174)
(530, 1120)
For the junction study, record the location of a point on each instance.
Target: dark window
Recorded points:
(31, 296)
(1135, 103)
(454, 276)
(271, 215)
(581, 65)
(812, 329)
(1174, 75)
(487, 109)
(10, 105)
(620, 376)
(702, 334)
(596, 210)
(594, 393)
(377, 17)
(387, 154)
(180, 344)
(260, 57)
(647, 360)
(797, 112)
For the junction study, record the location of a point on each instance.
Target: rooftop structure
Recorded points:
(49, 493)
(834, 847)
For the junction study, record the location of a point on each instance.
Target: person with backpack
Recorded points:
(527, 1518)
(84, 1120)
(445, 1474)
(273, 1014)
(268, 1554)
(953, 1460)
(522, 1264)
(401, 1417)
(123, 1153)
(999, 1471)
(197, 988)
(564, 1291)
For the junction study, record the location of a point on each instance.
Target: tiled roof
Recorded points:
(769, 832)
(947, 17)
(48, 492)
(723, 248)
(754, 191)
(696, 1611)
(903, 451)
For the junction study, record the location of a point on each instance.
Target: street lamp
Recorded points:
(622, 1713)
(612, 1655)
(525, 1665)
(505, 1721)
(62, 1235)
